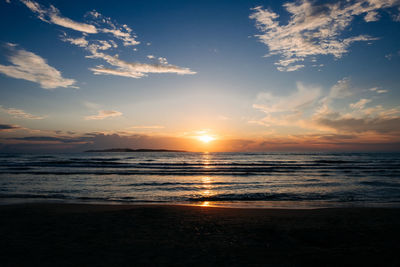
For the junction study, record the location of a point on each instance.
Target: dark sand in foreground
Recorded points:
(124, 235)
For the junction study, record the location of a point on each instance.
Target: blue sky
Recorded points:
(253, 75)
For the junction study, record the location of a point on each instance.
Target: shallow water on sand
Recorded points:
(227, 179)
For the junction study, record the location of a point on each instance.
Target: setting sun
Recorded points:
(206, 138)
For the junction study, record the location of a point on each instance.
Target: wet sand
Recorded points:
(158, 235)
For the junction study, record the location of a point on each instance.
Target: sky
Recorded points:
(200, 75)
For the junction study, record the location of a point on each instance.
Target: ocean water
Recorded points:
(294, 180)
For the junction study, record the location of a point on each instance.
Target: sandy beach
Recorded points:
(171, 235)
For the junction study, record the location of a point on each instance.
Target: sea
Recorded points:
(252, 180)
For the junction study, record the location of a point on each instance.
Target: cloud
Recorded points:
(82, 42)
(377, 90)
(389, 56)
(284, 110)
(53, 139)
(371, 16)
(124, 36)
(52, 15)
(163, 60)
(103, 114)
(302, 98)
(139, 70)
(341, 89)
(121, 32)
(94, 46)
(19, 113)
(104, 45)
(132, 69)
(31, 67)
(41, 138)
(314, 29)
(290, 68)
(8, 127)
(397, 16)
(360, 104)
(359, 125)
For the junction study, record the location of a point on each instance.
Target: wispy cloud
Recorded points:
(81, 41)
(341, 89)
(121, 32)
(284, 110)
(131, 69)
(31, 67)
(52, 15)
(302, 98)
(378, 90)
(139, 70)
(360, 104)
(104, 114)
(19, 113)
(314, 29)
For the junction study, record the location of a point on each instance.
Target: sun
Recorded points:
(205, 138)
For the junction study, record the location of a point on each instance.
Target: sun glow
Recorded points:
(205, 138)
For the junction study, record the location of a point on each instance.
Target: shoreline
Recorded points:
(63, 234)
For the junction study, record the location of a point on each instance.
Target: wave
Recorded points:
(64, 197)
(275, 197)
(42, 196)
(327, 161)
(380, 183)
